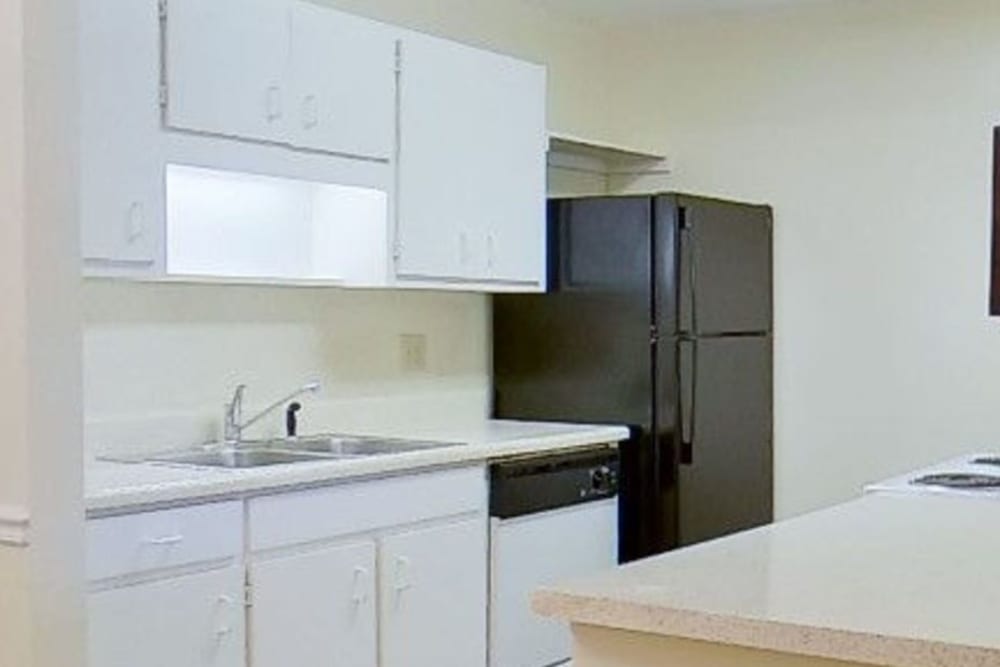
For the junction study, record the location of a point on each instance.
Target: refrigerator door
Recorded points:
(725, 474)
(582, 352)
(725, 267)
(665, 382)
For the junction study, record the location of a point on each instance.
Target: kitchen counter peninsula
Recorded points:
(892, 580)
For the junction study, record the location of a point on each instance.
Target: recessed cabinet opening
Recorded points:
(236, 225)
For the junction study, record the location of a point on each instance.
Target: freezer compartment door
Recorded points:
(725, 270)
(601, 245)
(583, 351)
(725, 481)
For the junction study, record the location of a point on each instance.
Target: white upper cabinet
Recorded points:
(121, 182)
(446, 143)
(343, 83)
(226, 64)
(471, 165)
(291, 73)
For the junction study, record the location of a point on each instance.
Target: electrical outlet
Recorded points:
(413, 352)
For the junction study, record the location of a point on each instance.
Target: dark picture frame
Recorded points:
(995, 262)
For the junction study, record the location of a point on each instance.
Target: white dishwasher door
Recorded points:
(528, 552)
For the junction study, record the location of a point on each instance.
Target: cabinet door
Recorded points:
(433, 596)
(315, 609)
(471, 164)
(343, 83)
(514, 154)
(195, 621)
(121, 162)
(226, 63)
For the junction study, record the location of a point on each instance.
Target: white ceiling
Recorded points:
(632, 9)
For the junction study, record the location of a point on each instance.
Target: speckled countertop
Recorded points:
(906, 581)
(112, 488)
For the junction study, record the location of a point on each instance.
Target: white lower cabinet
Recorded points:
(390, 572)
(194, 620)
(433, 596)
(387, 572)
(315, 609)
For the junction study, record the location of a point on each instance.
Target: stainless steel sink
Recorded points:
(281, 451)
(236, 458)
(351, 446)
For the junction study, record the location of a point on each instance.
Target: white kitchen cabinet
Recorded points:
(433, 596)
(343, 83)
(226, 64)
(452, 136)
(390, 571)
(315, 609)
(195, 620)
(292, 73)
(121, 182)
(472, 148)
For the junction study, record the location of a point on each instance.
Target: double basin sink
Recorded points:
(258, 453)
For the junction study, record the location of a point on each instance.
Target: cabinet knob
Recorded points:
(310, 112)
(136, 223)
(167, 541)
(360, 594)
(273, 103)
(490, 252)
(463, 248)
(402, 577)
(224, 629)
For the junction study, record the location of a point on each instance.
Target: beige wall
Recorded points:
(41, 499)
(867, 125)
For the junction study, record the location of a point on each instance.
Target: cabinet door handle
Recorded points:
(463, 248)
(164, 541)
(402, 577)
(136, 223)
(310, 112)
(490, 252)
(273, 103)
(223, 631)
(360, 594)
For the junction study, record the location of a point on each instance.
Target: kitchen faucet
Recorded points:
(233, 423)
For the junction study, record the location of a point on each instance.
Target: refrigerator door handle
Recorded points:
(688, 272)
(688, 370)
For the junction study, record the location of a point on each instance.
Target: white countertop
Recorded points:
(908, 581)
(117, 487)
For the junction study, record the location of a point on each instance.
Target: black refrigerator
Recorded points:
(658, 315)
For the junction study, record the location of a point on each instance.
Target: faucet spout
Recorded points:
(235, 425)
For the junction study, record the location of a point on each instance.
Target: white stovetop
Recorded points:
(117, 487)
(889, 579)
(963, 464)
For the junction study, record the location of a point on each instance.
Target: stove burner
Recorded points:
(959, 481)
(987, 461)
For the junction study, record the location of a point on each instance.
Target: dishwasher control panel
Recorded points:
(539, 483)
